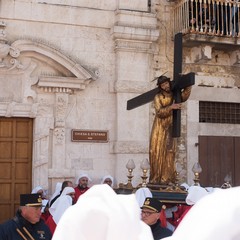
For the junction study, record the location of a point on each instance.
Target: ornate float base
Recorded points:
(168, 193)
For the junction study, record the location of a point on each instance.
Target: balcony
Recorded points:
(209, 21)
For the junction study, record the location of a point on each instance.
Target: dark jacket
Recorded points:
(160, 232)
(39, 231)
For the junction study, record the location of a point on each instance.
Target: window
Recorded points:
(219, 112)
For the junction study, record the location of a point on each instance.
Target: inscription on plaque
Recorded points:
(89, 136)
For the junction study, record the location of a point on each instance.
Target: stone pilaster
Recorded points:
(134, 36)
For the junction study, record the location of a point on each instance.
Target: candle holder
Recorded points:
(197, 169)
(145, 166)
(128, 187)
(130, 166)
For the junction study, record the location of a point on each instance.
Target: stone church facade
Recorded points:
(74, 64)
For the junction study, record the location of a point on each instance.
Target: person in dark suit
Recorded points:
(27, 224)
(151, 210)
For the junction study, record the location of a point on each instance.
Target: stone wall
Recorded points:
(74, 64)
(79, 63)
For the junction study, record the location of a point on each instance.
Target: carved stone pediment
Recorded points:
(58, 72)
(28, 67)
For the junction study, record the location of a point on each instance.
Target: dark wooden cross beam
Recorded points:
(180, 81)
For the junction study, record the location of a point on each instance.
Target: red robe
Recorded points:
(51, 224)
(179, 214)
(79, 192)
(45, 216)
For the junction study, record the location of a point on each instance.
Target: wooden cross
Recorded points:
(180, 81)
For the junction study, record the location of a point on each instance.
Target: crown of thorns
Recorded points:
(161, 79)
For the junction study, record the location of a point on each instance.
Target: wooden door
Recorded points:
(15, 163)
(237, 162)
(218, 157)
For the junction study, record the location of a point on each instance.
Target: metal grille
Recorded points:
(219, 112)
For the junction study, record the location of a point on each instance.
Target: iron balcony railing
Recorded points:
(210, 17)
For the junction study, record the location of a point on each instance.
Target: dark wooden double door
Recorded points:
(219, 156)
(15, 163)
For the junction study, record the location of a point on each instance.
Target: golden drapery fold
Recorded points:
(162, 147)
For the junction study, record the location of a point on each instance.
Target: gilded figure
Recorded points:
(162, 147)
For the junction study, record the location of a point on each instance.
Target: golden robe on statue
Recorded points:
(162, 146)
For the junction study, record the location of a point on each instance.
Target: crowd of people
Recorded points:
(98, 212)
(37, 216)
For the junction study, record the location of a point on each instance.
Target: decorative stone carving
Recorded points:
(60, 135)
(7, 50)
(61, 106)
